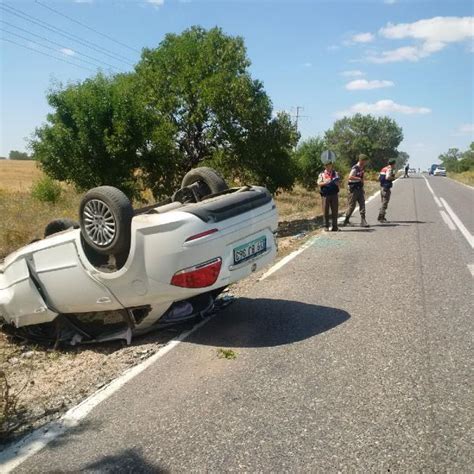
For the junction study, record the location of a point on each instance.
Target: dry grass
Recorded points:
(467, 177)
(24, 218)
(18, 175)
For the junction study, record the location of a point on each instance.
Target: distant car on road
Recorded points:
(439, 171)
(432, 168)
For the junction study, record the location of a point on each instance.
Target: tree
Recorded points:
(190, 101)
(402, 159)
(457, 161)
(18, 155)
(199, 86)
(96, 134)
(308, 161)
(378, 138)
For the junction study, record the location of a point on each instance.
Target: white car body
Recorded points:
(55, 276)
(439, 171)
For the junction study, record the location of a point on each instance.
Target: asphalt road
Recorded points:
(355, 356)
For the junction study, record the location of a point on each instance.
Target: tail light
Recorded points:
(199, 276)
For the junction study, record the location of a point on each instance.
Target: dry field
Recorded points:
(18, 175)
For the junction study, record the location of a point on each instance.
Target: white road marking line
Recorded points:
(437, 201)
(459, 182)
(467, 235)
(288, 258)
(471, 268)
(19, 452)
(447, 220)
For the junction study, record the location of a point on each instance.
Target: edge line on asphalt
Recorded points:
(34, 442)
(306, 245)
(437, 201)
(447, 220)
(467, 235)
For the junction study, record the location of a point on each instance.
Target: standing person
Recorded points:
(356, 191)
(386, 178)
(407, 168)
(328, 182)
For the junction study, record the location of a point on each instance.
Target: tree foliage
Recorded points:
(457, 161)
(377, 137)
(191, 100)
(308, 161)
(18, 155)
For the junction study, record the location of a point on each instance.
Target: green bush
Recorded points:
(46, 190)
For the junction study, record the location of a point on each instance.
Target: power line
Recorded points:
(86, 26)
(59, 31)
(46, 54)
(53, 42)
(47, 47)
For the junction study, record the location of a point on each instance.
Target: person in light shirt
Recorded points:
(328, 182)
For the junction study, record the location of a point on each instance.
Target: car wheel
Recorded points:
(58, 225)
(204, 181)
(106, 216)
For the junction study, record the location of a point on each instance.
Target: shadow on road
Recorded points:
(358, 229)
(268, 322)
(129, 460)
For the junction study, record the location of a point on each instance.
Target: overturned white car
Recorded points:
(122, 271)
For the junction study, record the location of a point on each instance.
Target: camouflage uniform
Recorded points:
(386, 177)
(329, 197)
(356, 195)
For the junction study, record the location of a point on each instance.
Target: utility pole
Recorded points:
(298, 108)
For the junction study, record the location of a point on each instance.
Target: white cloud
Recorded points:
(466, 129)
(333, 47)
(308, 64)
(67, 51)
(385, 106)
(156, 3)
(83, 1)
(353, 73)
(363, 38)
(433, 35)
(364, 84)
(390, 2)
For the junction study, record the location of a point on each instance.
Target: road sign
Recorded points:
(328, 156)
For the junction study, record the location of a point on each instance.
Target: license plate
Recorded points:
(249, 250)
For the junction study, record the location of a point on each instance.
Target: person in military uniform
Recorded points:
(328, 182)
(386, 178)
(356, 191)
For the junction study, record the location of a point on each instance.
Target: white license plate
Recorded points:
(246, 251)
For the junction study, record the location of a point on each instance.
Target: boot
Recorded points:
(346, 222)
(363, 222)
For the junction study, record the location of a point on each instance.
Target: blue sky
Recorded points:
(411, 60)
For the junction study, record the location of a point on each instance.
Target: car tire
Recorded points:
(106, 216)
(59, 225)
(208, 181)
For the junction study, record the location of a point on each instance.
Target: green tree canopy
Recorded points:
(457, 161)
(191, 100)
(308, 161)
(18, 155)
(377, 137)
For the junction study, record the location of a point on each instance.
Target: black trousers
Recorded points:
(330, 203)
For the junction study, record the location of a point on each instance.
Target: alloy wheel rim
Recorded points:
(99, 222)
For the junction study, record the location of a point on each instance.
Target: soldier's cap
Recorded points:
(392, 161)
(364, 157)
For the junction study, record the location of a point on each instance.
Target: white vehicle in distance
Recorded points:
(121, 271)
(439, 171)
